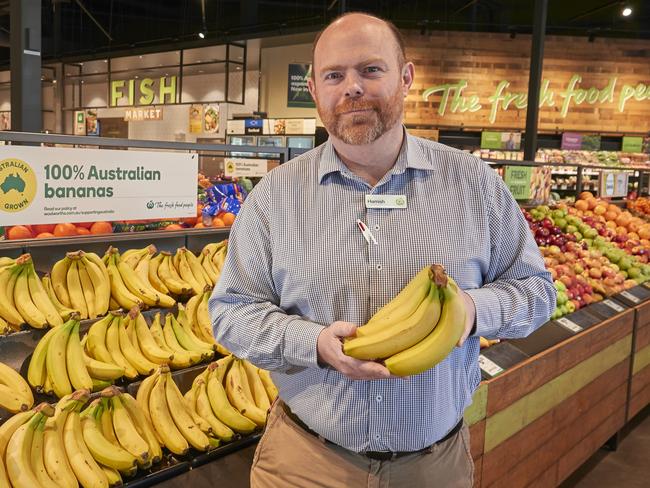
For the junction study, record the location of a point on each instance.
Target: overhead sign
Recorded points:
(42, 185)
(143, 114)
(510, 141)
(297, 91)
(454, 97)
(632, 144)
(143, 92)
(251, 168)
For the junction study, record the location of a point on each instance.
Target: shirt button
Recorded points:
(378, 398)
(379, 267)
(377, 437)
(376, 227)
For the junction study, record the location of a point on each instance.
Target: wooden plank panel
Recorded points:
(478, 471)
(476, 411)
(641, 359)
(509, 421)
(639, 392)
(540, 369)
(609, 412)
(642, 336)
(587, 446)
(643, 314)
(525, 442)
(477, 439)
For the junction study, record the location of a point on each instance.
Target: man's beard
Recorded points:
(364, 127)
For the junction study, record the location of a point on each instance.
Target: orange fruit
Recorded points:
(592, 202)
(189, 220)
(585, 195)
(633, 236)
(19, 232)
(45, 235)
(582, 205)
(101, 228)
(82, 231)
(199, 225)
(228, 218)
(40, 228)
(174, 227)
(218, 222)
(65, 230)
(85, 225)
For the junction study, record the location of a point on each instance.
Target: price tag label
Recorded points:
(489, 366)
(630, 297)
(646, 284)
(613, 306)
(568, 324)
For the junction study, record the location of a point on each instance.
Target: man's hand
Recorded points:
(330, 351)
(470, 313)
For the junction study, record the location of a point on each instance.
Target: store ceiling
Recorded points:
(91, 28)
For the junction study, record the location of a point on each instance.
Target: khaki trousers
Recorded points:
(287, 456)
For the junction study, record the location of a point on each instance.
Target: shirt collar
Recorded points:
(410, 156)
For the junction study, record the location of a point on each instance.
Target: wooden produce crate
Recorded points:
(475, 420)
(640, 377)
(550, 413)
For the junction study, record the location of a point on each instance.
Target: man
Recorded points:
(300, 277)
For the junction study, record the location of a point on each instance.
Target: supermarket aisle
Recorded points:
(628, 466)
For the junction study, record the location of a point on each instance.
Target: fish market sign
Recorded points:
(454, 99)
(144, 90)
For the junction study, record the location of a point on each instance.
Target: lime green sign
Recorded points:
(145, 88)
(518, 180)
(454, 99)
(632, 144)
(490, 140)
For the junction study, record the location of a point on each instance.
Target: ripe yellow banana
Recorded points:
(183, 420)
(64, 312)
(187, 327)
(184, 269)
(37, 370)
(113, 346)
(169, 274)
(143, 425)
(24, 303)
(189, 399)
(162, 420)
(101, 370)
(75, 290)
(96, 340)
(401, 335)
(180, 359)
(10, 426)
(101, 283)
(105, 422)
(83, 464)
(439, 343)
(406, 302)
(133, 256)
(143, 394)
(223, 409)
(127, 434)
(269, 386)
(113, 475)
(132, 355)
(208, 266)
(59, 281)
(7, 308)
(204, 409)
(119, 291)
(40, 298)
(239, 399)
(243, 380)
(203, 322)
(88, 289)
(16, 385)
(103, 451)
(37, 457)
(91, 256)
(190, 308)
(18, 457)
(55, 359)
(197, 270)
(219, 258)
(77, 371)
(135, 285)
(172, 342)
(257, 387)
(148, 345)
(154, 278)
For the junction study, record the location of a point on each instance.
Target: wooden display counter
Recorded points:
(640, 373)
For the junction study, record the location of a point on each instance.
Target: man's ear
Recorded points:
(312, 87)
(408, 74)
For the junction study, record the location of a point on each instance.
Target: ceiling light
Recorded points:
(202, 35)
(627, 11)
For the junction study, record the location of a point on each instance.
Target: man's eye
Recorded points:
(332, 76)
(373, 69)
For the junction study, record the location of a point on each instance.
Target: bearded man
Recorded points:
(300, 277)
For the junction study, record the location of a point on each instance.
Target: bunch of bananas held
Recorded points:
(79, 282)
(23, 299)
(59, 364)
(15, 393)
(417, 329)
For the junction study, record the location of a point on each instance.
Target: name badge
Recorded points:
(385, 201)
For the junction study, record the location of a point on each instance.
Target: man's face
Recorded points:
(358, 85)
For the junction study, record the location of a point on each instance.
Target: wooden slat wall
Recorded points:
(475, 419)
(546, 416)
(640, 380)
(485, 59)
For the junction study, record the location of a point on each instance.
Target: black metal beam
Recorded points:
(26, 103)
(535, 78)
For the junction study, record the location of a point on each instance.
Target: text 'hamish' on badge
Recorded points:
(385, 201)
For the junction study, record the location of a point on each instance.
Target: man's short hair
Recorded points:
(397, 35)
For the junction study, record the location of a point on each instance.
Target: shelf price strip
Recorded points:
(568, 324)
(489, 366)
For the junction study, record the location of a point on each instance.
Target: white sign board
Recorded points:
(251, 168)
(43, 185)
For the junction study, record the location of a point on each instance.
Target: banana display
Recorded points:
(90, 286)
(23, 299)
(15, 394)
(59, 364)
(417, 329)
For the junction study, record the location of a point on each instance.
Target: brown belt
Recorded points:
(377, 455)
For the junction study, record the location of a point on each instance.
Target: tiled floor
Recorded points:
(628, 466)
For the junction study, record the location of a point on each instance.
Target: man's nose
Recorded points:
(354, 86)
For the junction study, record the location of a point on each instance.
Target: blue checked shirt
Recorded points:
(297, 262)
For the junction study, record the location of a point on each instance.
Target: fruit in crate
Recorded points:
(212, 257)
(15, 394)
(198, 315)
(23, 298)
(417, 329)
